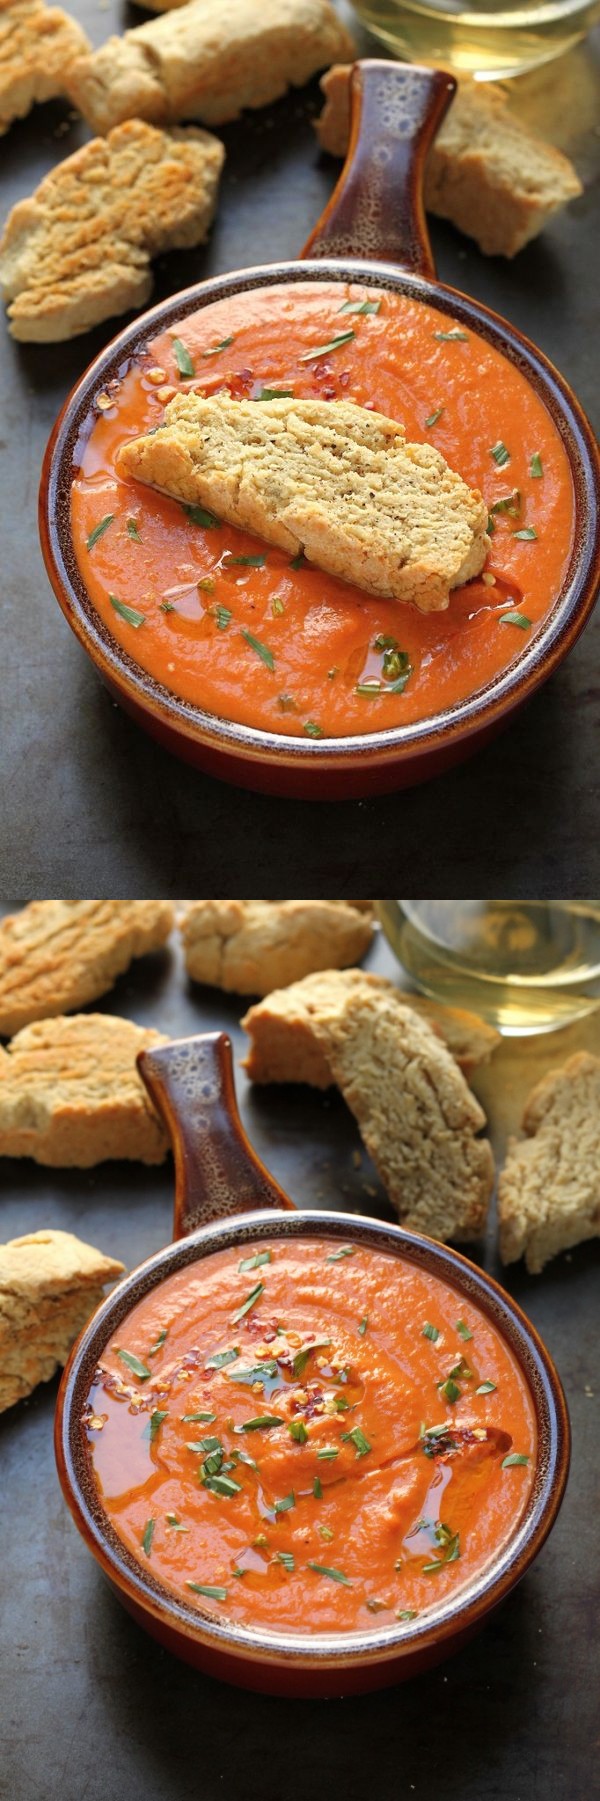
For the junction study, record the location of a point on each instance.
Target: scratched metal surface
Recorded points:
(90, 804)
(90, 1707)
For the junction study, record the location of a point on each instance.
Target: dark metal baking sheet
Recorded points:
(90, 804)
(91, 1708)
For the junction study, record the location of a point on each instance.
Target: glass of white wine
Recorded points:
(489, 38)
(526, 966)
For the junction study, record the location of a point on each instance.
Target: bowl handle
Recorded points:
(217, 1173)
(376, 212)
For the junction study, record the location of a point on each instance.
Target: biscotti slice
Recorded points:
(58, 955)
(37, 43)
(80, 249)
(50, 1284)
(207, 62)
(327, 478)
(486, 171)
(289, 1030)
(251, 946)
(549, 1189)
(70, 1093)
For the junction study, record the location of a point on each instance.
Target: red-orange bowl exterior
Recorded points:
(327, 768)
(328, 1664)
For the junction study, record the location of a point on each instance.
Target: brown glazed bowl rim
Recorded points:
(457, 723)
(327, 1651)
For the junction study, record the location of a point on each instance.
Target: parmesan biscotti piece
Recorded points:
(80, 249)
(70, 1093)
(289, 1030)
(50, 1284)
(486, 171)
(58, 955)
(251, 946)
(207, 62)
(327, 478)
(549, 1189)
(37, 43)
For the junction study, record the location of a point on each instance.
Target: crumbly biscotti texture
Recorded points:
(50, 1284)
(80, 248)
(289, 1029)
(58, 955)
(37, 43)
(327, 478)
(486, 171)
(549, 1189)
(251, 946)
(207, 62)
(70, 1093)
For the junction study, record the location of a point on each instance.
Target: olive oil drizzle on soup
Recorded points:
(310, 1433)
(240, 629)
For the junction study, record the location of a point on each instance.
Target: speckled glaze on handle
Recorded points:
(376, 211)
(217, 1173)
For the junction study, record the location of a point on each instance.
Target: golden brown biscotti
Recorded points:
(207, 62)
(70, 1093)
(37, 43)
(50, 1284)
(289, 1029)
(416, 1115)
(58, 955)
(549, 1189)
(327, 478)
(486, 171)
(80, 248)
(251, 946)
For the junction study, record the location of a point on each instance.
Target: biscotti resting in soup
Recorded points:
(250, 633)
(310, 1435)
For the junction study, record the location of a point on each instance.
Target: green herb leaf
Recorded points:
(222, 1485)
(328, 1453)
(360, 306)
(368, 688)
(341, 1404)
(463, 1330)
(214, 349)
(172, 1520)
(277, 606)
(528, 532)
(312, 730)
(359, 1440)
(155, 1422)
(133, 1364)
(298, 561)
(132, 531)
(182, 358)
(450, 1390)
(264, 1423)
(250, 1301)
(223, 616)
(317, 1489)
(508, 1463)
(204, 1588)
(346, 1250)
(363, 1325)
(192, 1418)
(433, 417)
(449, 337)
(168, 606)
(286, 1558)
(536, 466)
(508, 503)
(198, 515)
(312, 356)
(500, 454)
(321, 1569)
(486, 1388)
(206, 1444)
(255, 1261)
(259, 1372)
(158, 1342)
(288, 1501)
(276, 394)
(221, 1358)
(147, 1536)
(302, 1356)
(262, 650)
(297, 1430)
(407, 1613)
(99, 530)
(399, 686)
(207, 585)
(430, 1331)
(257, 562)
(461, 1370)
(130, 614)
(515, 619)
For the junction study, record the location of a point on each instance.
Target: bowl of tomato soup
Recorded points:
(257, 666)
(310, 1451)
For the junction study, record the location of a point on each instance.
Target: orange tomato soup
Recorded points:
(229, 622)
(310, 1436)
